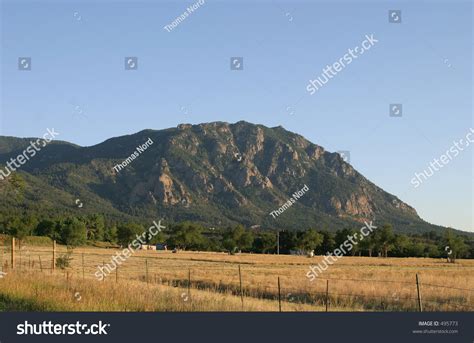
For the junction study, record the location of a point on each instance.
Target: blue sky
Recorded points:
(78, 85)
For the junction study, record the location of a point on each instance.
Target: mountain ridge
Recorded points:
(214, 173)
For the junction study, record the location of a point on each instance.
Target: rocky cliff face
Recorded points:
(222, 173)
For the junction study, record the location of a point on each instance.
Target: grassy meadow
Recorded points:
(159, 281)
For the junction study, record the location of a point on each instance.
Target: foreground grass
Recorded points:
(33, 291)
(355, 283)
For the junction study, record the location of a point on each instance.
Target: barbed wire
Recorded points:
(247, 289)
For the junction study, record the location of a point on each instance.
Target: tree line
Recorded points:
(76, 231)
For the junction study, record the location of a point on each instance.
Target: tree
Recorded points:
(127, 233)
(310, 240)
(368, 244)
(6, 224)
(229, 245)
(385, 239)
(47, 228)
(238, 239)
(401, 245)
(432, 250)
(110, 234)
(23, 227)
(288, 241)
(187, 236)
(214, 243)
(73, 232)
(454, 246)
(471, 248)
(415, 249)
(160, 237)
(343, 235)
(264, 242)
(95, 225)
(328, 244)
(18, 186)
(243, 238)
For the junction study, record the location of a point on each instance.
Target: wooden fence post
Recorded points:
(241, 292)
(420, 305)
(327, 295)
(54, 257)
(13, 253)
(83, 266)
(41, 265)
(116, 274)
(189, 283)
(146, 269)
(279, 294)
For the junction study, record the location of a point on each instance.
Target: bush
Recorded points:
(64, 261)
(73, 232)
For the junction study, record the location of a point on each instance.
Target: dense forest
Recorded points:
(87, 230)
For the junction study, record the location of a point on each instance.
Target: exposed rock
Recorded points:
(233, 172)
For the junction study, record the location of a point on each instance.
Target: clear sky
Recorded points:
(78, 84)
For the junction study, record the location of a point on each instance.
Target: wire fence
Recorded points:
(247, 282)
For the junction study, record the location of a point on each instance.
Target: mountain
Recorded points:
(216, 173)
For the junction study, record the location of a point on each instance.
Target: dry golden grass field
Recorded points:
(159, 281)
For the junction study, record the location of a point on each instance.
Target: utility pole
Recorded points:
(278, 242)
